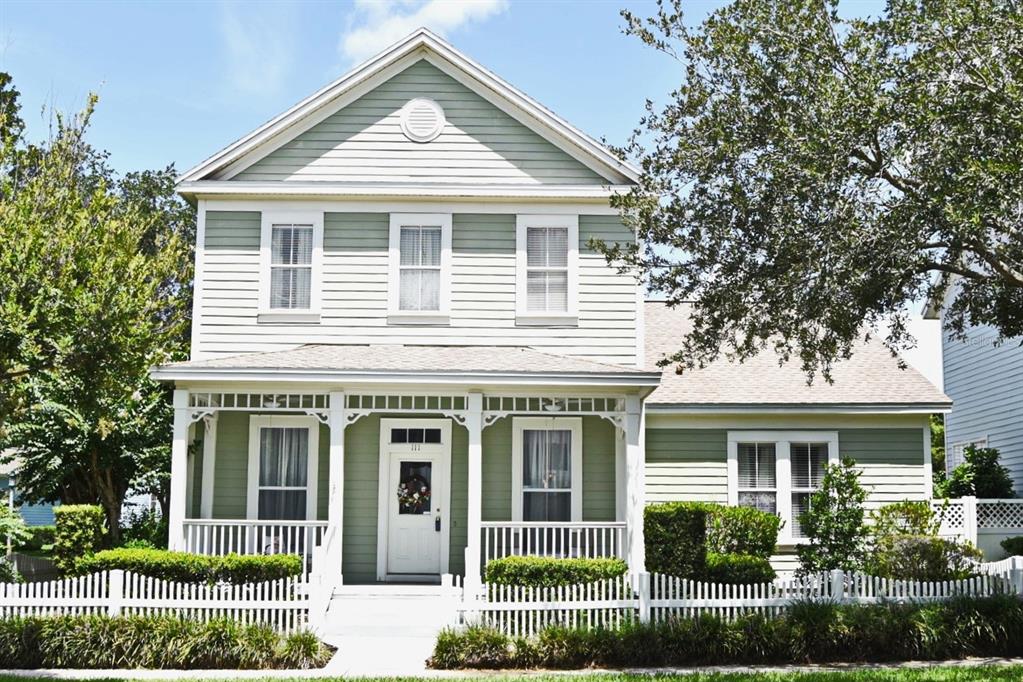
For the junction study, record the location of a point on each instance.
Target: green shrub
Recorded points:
(144, 528)
(78, 532)
(1013, 546)
(980, 475)
(909, 517)
(923, 557)
(675, 535)
(738, 569)
(193, 568)
(742, 530)
(837, 536)
(807, 632)
(158, 642)
(543, 572)
(8, 573)
(39, 537)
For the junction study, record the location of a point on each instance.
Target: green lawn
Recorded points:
(947, 674)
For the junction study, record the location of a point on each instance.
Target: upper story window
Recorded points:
(420, 268)
(778, 471)
(547, 269)
(291, 249)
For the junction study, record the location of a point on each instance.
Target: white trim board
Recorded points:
(422, 44)
(384, 191)
(415, 204)
(257, 422)
(573, 424)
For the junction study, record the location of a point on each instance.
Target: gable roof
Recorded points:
(422, 44)
(870, 379)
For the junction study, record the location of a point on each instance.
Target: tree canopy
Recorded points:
(813, 175)
(95, 287)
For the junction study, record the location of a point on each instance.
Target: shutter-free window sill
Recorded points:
(547, 320)
(409, 318)
(288, 317)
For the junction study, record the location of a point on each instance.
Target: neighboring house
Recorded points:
(985, 381)
(33, 514)
(406, 353)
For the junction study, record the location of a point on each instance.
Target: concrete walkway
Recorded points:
(440, 674)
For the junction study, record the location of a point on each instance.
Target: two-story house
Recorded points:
(406, 354)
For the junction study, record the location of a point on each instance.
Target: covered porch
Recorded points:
(333, 475)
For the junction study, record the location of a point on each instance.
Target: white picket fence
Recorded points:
(520, 611)
(280, 604)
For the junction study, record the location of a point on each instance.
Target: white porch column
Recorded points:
(635, 464)
(209, 466)
(474, 424)
(179, 470)
(335, 497)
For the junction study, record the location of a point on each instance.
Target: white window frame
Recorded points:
(524, 316)
(293, 315)
(257, 422)
(394, 313)
(573, 424)
(783, 468)
(960, 445)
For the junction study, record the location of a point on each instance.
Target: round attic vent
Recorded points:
(422, 120)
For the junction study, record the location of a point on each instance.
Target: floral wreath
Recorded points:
(413, 492)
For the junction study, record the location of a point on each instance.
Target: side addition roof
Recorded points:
(870, 380)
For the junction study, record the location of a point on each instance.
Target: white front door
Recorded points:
(415, 454)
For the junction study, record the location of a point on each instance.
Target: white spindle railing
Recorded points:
(589, 540)
(227, 536)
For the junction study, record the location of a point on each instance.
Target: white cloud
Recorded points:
(257, 39)
(379, 23)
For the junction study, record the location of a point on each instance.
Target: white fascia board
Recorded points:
(232, 188)
(834, 408)
(443, 378)
(516, 103)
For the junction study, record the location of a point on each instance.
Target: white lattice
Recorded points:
(1000, 514)
(952, 515)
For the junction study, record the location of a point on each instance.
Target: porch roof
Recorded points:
(392, 361)
(870, 380)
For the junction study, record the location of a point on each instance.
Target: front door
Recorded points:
(415, 453)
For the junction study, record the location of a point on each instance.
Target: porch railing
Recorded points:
(590, 540)
(242, 536)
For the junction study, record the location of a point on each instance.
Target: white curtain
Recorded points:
(546, 475)
(291, 258)
(420, 255)
(283, 462)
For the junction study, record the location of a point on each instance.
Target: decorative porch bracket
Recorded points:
(497, 407)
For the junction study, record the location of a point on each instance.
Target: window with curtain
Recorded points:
(547, 269)
(283, 473)
(758, 484)
(419, 269)
(807, 461)
(291, 266)
(546, 475)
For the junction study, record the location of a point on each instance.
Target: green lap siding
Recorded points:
(362, 476)
(458, 515)
(232, 230)
(686, 464)
(892, 461)
(230, 479)
(598, 470)
(497, 473)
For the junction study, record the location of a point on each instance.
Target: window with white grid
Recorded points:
(291, 246)
(547, 269)
(807, 463)
(419, 287)
(758, 478)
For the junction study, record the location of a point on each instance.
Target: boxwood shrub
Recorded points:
(529, 571)
(158, 642)
(742, 530)
(808, 632)
(738, 569)
(675, 538)
(193, 568)
(78, 532)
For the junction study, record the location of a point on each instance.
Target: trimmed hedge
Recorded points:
(808, 632)
(675, 538)
(78, 532)
(158, 642)
(528, 571)
(193, 568)
(742, 530)
(738, 569)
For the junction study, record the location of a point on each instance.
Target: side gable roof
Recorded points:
(422, 44)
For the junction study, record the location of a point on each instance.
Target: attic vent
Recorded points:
(422, 120)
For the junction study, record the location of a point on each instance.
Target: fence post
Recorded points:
(644, 596)
(838, 585)
(970, 519)
(1016, 574)
(116, 596)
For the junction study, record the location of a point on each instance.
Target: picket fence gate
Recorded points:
(646, 597)
(280, 604)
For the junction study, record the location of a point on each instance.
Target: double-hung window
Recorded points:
(957, 452)
(778, 472)
(547, 469)
(282, 468)
(547, 277)
(420, 268)
(290, 255)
